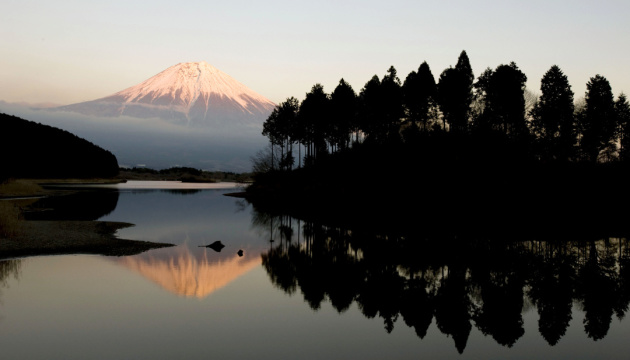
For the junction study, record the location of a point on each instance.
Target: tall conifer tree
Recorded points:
(392, 103)
(464, 68)
(343, 102)
(599, 120)
(314, 116)
(553, 121)
(370, 111)
(505, 100)
(419, 95)
(455, 93)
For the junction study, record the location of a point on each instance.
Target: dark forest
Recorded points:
(551, 127)
(455, 145)
(33, 150)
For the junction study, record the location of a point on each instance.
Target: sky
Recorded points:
(69, 51)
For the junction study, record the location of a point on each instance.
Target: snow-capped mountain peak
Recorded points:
(192, 94)
(184, 83)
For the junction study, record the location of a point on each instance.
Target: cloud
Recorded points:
(154, 142)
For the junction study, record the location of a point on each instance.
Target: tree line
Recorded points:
(550, 127)
(181, 173)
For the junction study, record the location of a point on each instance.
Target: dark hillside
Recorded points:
(33, 150)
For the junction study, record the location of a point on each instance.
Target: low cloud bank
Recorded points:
(153, 142)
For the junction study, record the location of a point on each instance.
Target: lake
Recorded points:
(306, 290)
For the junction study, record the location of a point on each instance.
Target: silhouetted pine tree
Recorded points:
(598, 123)
(271, 129)
(371, 111)
(505, 103)
(419, 96)
(282, 130)
(455, 94)
(314, 117)
(552, 117)
(463, 66)
(288, 121)
(343, 101)
(480, 117)
(392, 103)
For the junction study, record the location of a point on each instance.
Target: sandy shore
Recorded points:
(20, 238)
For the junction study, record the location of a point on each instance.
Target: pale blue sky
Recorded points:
(71, 51)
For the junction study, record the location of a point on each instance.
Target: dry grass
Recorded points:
(32, 187)
(10, 219)
(20, 187)
(76, 181)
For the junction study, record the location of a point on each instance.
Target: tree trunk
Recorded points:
(271, 156)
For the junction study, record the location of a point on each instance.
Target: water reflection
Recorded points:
(8, 269)
(86, 205)
(408, 277)
(190, 273)
(458, 282)
(182, 191)
(162, 215)
(196, 219)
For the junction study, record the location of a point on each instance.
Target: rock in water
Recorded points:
(216, 246)
(240, 253)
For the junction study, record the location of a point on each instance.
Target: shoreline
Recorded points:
(21, 238)
(39, 238)
(17, 189)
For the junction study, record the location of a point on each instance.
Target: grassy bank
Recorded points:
(20, 188)
(17, 188)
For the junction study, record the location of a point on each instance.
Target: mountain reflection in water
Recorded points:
(458, 282)
(191, 273)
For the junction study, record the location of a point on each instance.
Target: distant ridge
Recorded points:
(194, 94)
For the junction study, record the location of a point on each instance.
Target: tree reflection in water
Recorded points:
(460, 282)
(8, 269)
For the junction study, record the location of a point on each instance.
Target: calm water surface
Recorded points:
(303, 291)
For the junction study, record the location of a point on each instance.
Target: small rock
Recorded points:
(240, 253)
(216, 246)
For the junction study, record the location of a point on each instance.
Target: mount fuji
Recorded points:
(190, 114)
(193, 94)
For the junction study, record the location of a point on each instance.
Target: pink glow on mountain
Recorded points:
(192, 94)
(186, 83)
